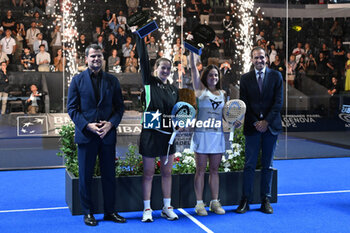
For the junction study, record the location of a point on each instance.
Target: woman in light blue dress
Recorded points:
(208, 141)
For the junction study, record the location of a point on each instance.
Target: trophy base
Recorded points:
(147, 29)
(192, 48)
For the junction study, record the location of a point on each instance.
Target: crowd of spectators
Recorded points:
(320, 62)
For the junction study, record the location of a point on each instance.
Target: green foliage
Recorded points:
(240, 140)
(69, 149)
(132, 164)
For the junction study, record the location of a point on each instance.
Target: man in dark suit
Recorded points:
(262, 91)
(95, 105)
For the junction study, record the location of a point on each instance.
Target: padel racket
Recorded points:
(233, 113)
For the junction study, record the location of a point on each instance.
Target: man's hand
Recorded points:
(261, 126)
(104, 128)
(93, 127)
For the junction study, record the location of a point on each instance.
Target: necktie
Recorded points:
(260, 81)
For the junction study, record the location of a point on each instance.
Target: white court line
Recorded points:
(182, 210)
(38, 209)
(24, 148)
(313, 193)
(206, 229)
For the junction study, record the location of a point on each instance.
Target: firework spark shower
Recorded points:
(166, 13)
(246, 32)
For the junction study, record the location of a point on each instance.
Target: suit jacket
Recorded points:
(266, 106)
(83, 108)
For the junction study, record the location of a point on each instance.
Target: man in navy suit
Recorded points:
(262, 91)
(95, 105)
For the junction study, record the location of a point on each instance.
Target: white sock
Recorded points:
(214, 200)
(166, 202)
(146, 204)
(199, 202)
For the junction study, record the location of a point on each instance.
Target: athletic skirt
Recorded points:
(155, 144)
(208, 142)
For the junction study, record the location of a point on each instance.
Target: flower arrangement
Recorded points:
(132, 164)
(233, 160)
(184, 162)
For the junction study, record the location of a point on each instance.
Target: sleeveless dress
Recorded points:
(209, 140)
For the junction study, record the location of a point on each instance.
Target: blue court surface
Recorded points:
(314, 196)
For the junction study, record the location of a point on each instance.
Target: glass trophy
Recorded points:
(202, 35)
(145, 25)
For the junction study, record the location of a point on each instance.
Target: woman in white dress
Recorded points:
(208, 142)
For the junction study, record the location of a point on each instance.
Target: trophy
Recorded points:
(202, 35)
(145, 25)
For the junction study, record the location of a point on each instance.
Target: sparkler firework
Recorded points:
(166, 13)
(245, 32)
(69, 11)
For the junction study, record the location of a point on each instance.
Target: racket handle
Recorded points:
(172, 138)
(232, 134)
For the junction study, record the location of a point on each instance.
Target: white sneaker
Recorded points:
(200, 209)
(215, 206)
(169, 213)
(147, 215)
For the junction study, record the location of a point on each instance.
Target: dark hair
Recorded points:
(3, 62)
(256, 49)
(58, 50)
(42, 45)
(205, 75)
(92, 46)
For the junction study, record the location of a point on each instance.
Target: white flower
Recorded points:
(178, 154)
(186, 160)
(188, 151)
(236, 146)
(229, 152)
(192, 161)
(223, 159)
(231, 156)
(226, 169)
(227, 164)
(189, 160)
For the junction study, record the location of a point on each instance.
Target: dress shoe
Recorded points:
(90, 220)
(115, 217)
(265, 206)
(243, 206)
